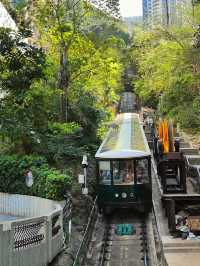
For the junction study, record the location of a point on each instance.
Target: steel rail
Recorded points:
(145, 246)
(103, 250)
(145, 256)
(81, 253)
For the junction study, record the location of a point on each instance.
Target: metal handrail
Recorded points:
(67, 215)
(67, 209)
(81, 253)
(154, 214)
(158, 233)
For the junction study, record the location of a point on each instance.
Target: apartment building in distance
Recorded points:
(147, 11)
(164, 12)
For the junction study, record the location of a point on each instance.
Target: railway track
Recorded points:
(126, 240)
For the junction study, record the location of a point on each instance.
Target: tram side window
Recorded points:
(104, 173)
(142, 171)
(123, 172)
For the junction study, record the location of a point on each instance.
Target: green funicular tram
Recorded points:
(124, 166)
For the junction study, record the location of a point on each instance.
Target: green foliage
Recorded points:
(104, 124)
(21, 65)
(93, 65)
(168, 72)
(104, 30)
(20, 62)
(77, 71)
(63, 128)
(48, 182)
(62, 141)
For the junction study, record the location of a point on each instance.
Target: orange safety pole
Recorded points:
(165, 136)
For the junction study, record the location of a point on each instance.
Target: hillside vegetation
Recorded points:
(61, 75)
(168, 69)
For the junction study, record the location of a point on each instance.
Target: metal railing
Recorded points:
(160, 248)
(67, 216)
(81, 254)
(67, 209)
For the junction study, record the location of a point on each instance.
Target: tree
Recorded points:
(64, 21)
(21, 65)
(168, 63)
(109, 6)
(80, 78)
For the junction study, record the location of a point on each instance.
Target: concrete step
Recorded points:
(185, 145)
(170, 242)
(182, 259)
(185, 249)
(189, 151)
(125, 262)
(193, 160)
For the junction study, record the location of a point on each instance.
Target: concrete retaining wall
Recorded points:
(32, 241)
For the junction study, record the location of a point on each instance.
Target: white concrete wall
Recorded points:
(41, 211)
(5, 19)
(26, 206)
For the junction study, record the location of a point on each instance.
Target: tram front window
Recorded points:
(104, 173)
(123, 172)
(142, 171)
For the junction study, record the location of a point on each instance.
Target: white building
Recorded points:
(177, 8)
(6, 22)
(5, 19)
(165, 12)
(147, 11)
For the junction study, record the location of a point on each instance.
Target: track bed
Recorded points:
(126, 250)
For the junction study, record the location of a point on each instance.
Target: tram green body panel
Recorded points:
(137, 194)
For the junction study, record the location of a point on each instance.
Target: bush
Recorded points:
(61, 141)
(48, 182)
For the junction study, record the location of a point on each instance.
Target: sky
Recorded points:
(131, 8)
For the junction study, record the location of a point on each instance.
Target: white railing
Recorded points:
(35, 239)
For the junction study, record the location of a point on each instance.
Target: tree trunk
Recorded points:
(26, 145)
(167, 12)
(63, 83)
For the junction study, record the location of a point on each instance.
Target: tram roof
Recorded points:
(125, 139)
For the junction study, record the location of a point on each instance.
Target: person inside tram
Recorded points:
(142, 171)
(128, 176)
(105, 175)
(123, 172)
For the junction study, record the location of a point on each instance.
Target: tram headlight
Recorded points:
(124, 195)
(116, 195)
(131, 195)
